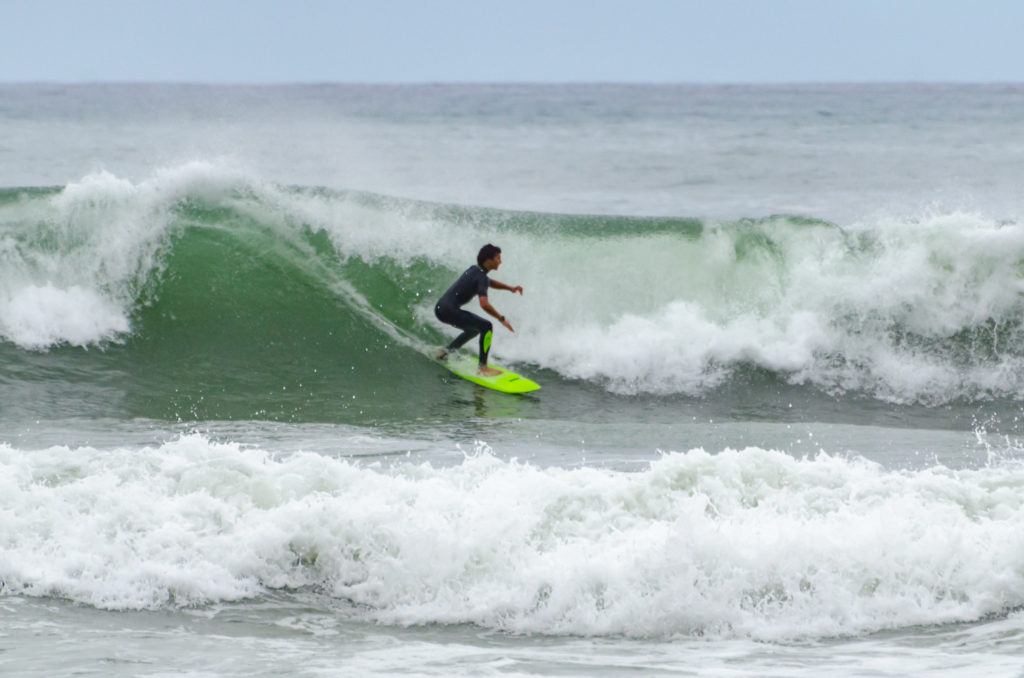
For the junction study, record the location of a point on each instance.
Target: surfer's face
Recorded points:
(493, 263)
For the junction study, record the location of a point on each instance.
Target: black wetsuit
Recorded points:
(449, 310)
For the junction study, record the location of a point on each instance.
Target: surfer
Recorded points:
(474, 282)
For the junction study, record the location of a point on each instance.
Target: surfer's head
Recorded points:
(487, 252)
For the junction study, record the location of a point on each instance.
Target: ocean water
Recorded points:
(778, 331)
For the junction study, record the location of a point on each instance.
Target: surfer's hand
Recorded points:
(517, 288)
(505, 323)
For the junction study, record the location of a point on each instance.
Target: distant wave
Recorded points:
(202, 258)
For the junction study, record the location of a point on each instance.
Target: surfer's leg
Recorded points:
(471, 325)
(458, 341)
(452, 316)
(474, 325)
(485, 344)
(485, 348)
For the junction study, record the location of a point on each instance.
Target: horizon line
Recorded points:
(509, 83)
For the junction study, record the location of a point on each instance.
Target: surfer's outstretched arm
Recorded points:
(502, 286)
(485, 304)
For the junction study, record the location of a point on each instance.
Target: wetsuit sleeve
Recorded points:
(482, 284)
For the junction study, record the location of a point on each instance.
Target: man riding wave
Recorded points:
(474, 282)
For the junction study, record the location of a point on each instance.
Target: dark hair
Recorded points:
(487, 252)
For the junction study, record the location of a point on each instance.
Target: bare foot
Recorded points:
(486, 371)
(441, 355)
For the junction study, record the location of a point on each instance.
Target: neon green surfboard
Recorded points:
(506, 382)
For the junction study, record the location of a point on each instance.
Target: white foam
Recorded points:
(749, 543)
(885, 306)
(889, 308)
(75, 263)
(38, 317)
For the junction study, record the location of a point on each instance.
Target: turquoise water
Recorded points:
(778, 333)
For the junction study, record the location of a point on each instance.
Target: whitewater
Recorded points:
(777, 329)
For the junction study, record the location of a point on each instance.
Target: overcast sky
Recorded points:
(398, 41)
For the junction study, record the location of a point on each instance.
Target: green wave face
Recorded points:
(197, 295)
(237, 300)
(231, 309)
